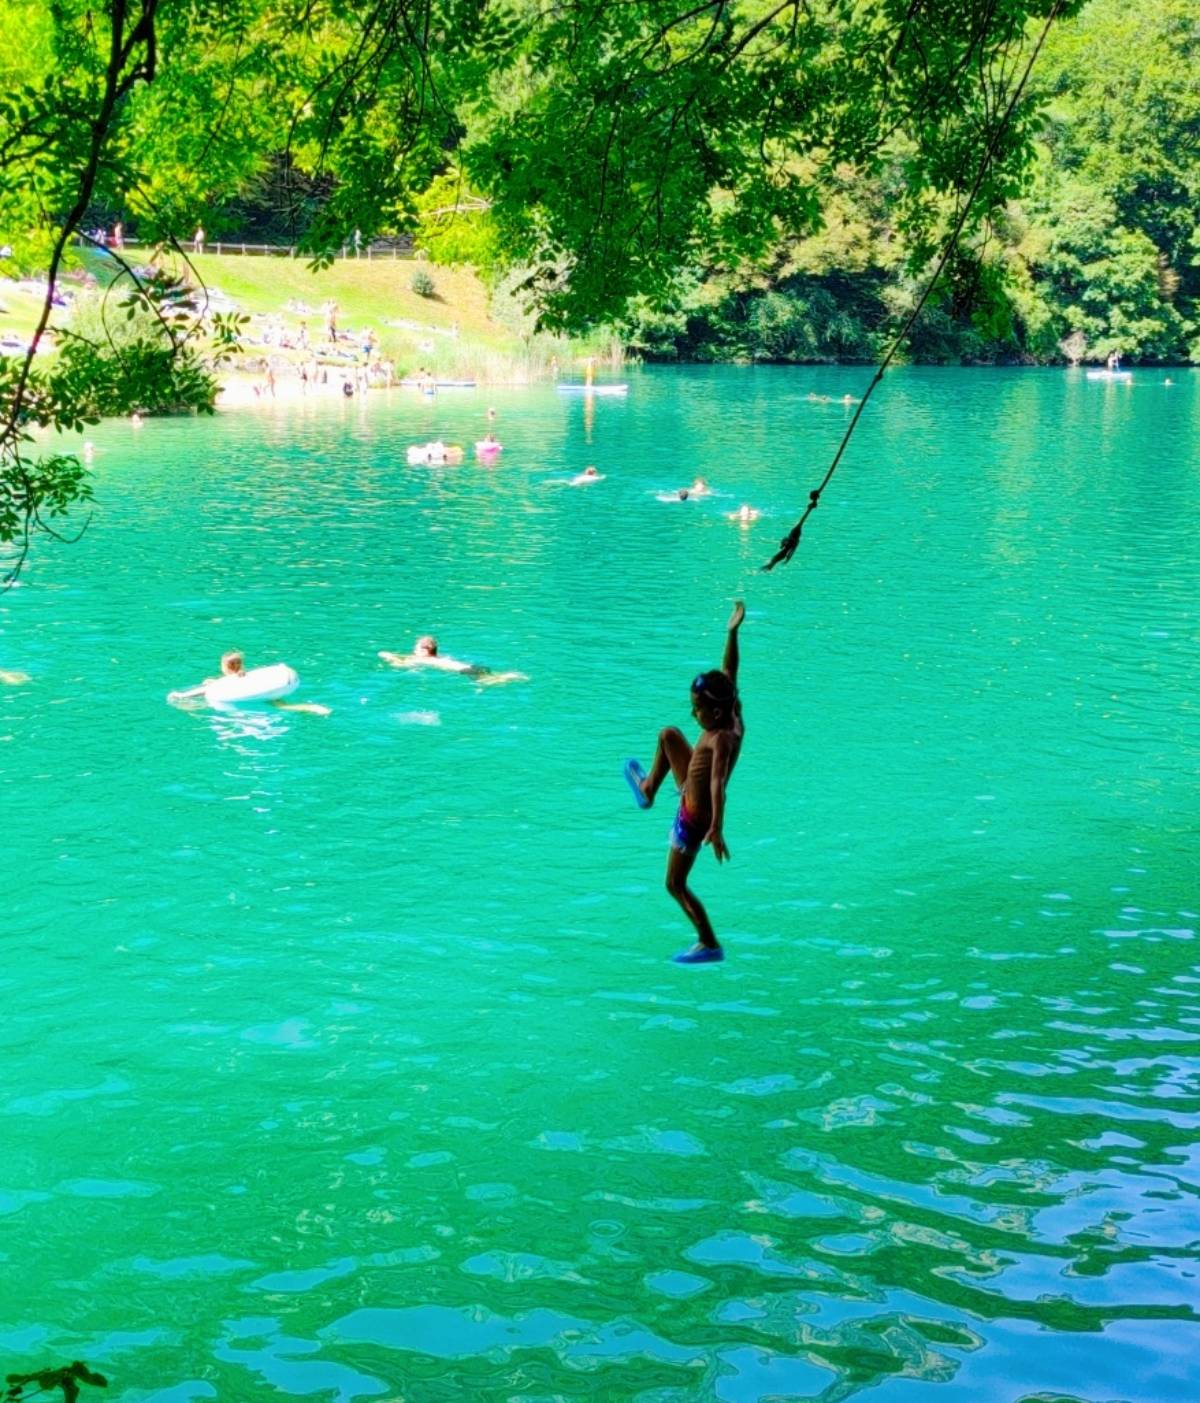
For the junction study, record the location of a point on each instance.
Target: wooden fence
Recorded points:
(392, 248)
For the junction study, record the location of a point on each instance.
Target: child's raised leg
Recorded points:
(673, 756)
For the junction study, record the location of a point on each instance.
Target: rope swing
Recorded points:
(787, 547)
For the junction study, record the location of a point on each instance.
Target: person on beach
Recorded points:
(701, 773)
(198, 239)
(425, 654)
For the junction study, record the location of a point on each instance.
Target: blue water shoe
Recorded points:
(700, 955)
(634, 775)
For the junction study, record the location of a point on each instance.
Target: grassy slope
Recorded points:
(455, 336)
(368, 293)
(19, 310)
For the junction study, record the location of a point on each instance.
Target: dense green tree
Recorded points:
(648, 137)
(1100, 248)
(1112, 205)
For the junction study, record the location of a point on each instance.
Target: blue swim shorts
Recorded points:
(687, 835)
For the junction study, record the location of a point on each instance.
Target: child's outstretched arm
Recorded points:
(729, 663)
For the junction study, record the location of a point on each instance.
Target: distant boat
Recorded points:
(438, 384)
(575, 389)
(1110, 374)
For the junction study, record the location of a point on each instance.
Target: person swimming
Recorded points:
(744, 514)
(588, 475)
(233, 664)
(425, 655)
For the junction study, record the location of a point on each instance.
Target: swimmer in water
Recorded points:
(425, 654)
(589, 474)
(701, 774)
(233, 664)
(700, 488)
(744, 514)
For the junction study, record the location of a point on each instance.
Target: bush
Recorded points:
(422, 284)
(116, 355)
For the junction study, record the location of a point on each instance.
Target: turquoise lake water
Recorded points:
(343, 1058)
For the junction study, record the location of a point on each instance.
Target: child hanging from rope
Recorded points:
(701, 774)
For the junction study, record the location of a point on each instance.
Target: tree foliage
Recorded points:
(1099, 251)
(649, 137)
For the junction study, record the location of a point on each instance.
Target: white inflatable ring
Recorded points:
(260, 684)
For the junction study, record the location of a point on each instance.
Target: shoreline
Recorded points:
(241, 391)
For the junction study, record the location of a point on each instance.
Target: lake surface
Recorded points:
(344, 1057)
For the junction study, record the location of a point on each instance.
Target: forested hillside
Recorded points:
(1101, 253)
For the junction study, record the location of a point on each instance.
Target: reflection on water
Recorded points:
(356, 1037)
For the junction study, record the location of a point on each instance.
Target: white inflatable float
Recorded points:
(576, 389)
(260, 684)
(435, 454)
